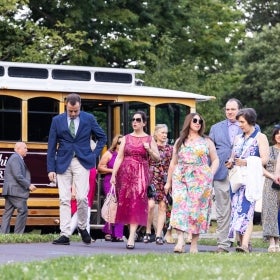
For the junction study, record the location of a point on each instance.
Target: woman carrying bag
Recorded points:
(256, 147)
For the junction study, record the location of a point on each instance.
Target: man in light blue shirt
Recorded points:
(223, 134)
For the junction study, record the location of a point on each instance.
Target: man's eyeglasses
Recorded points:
(137, 120)
(277, 126)
(197, 121)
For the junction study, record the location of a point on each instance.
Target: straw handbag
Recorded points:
(109, 208)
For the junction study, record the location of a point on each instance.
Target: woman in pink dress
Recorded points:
(190, 177)
(131, 176)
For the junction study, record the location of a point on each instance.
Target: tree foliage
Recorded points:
(259, 13)
(258, 65)
(181, 44)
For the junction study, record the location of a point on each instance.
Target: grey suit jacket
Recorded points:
(219, 134)
(17, 178)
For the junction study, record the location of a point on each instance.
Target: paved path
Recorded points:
(11, 253)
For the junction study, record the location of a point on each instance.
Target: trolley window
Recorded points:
(109, 77)
(71, 75)
(25, 72)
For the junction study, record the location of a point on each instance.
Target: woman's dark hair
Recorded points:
(275, 131)
(184, 133)
(249, 114)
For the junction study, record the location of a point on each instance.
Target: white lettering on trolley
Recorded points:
(3, 162)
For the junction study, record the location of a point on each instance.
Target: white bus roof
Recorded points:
(82, 79)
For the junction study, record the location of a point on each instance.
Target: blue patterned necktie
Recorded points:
(72, 128)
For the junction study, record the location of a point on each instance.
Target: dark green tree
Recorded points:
(259, 13)
(258, 65)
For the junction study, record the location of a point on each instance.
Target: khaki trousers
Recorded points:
(78, 175)
(223, 211)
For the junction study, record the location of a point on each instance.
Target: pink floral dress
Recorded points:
(192, 188)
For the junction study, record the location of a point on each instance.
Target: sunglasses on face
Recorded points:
(197, 121)
(119, 142)
(137, 120)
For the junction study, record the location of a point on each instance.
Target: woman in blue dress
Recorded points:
(250, 143)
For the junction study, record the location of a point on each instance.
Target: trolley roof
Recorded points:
(82, 79)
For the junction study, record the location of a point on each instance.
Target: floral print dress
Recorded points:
(242, 210)
(159, 171)
(192, 188)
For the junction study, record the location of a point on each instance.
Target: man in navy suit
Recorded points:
(16, 188)
(69, 161)
(223, 134)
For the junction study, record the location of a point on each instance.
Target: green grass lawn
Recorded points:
(151, 266)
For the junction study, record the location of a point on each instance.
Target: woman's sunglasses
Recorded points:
(197, 121)
(137, 120)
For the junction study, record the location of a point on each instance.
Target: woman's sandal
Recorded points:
(130, 247)
(179, 249)
(271, 249)
(147, 238)
(108, 237)
(242, 249)
(159, 240)
(117, 239)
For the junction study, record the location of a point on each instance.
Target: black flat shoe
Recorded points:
(116, 239)
(130, 247)
(85, 236)
(62, 240)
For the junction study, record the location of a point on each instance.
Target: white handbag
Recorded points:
(237, 174)
(236, 177)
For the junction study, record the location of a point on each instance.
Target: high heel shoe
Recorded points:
(179, 249)
(130, 247)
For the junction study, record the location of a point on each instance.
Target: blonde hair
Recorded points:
(115, 141)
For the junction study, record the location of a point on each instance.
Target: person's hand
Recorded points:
(167, 188)
(32, 188)
(240, 162)
(52, 176)
(277, 180)
(146, 146)
(229, 164)
(113, 180)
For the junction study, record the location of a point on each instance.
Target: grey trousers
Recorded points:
(223, 211)
(12, 203)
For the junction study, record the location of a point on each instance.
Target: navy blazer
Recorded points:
(220, 136)
(62, 145)
(17, 179)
